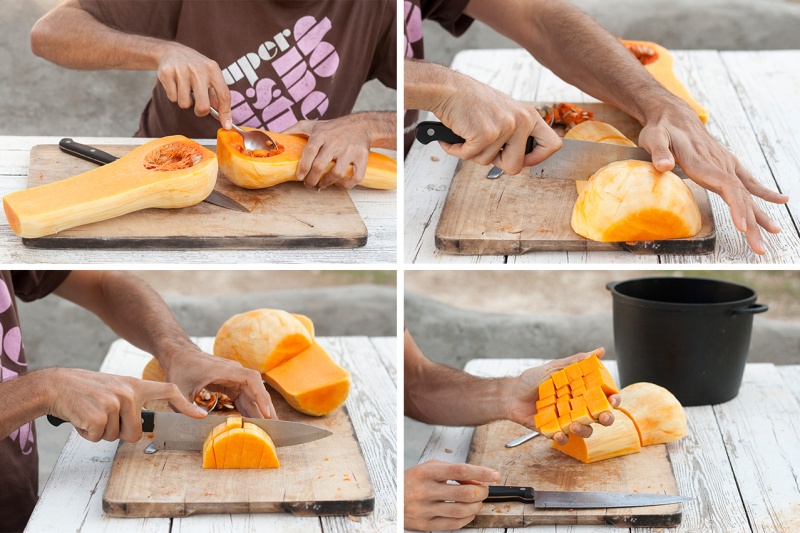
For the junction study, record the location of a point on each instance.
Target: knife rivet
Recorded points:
(430, 132)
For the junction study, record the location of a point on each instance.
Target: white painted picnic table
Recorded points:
(740, 459)
(754, 102)
(72, 497)
(377, 208)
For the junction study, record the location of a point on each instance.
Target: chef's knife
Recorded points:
(100, 157)
(175, 431)
(576, 160)
(579, 500)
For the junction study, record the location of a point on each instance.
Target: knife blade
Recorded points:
(175, 431)
(99, 157)
(543, 499)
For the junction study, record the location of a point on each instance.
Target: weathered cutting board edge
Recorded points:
(190, 502)
(353, 235)
(487, 441)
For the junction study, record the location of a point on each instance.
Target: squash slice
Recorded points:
(165, 173)
(259, 170)
(238, 444)
(311, 382)
(656, 413)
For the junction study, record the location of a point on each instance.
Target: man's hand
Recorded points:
(184, 72)
(676, 134)
(524, 392)
(102, 406)
(433, 504)
(338, 149)
(192, 370)
(495, 126)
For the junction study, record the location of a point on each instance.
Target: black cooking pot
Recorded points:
(689, 335)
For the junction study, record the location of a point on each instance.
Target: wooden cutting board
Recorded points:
(321, 478)
(512, 215)
(288, 215)
(535, 464)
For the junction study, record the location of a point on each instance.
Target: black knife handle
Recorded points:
(148, 421)
(93, 155)
(429, 131)
(501, 493)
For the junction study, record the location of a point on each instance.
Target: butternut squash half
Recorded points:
(658, 62)
(606, 442)
(238, 444)
(656, 412)
(165, 173)
(256, 170)
(628, 201)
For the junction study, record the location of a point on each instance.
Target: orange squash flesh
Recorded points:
(251, 172)
(606, 442)
(658, 62)
(628, 201)
(262, 339)
(657, 414)
(165, 173)
(311, 382)
(238, 444)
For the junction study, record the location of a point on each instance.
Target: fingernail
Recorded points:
(495, 476)
(743, 223)
(200, 410)
(228, 124)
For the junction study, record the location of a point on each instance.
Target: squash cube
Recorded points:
(564, 421)
(576, 383)
(581, 415)
(560, 379)
(578, 392)
(563, 392)
(562, 408)
(573, 372)
(590, 364)
(550, 429)
(601, 378)
(577, 402)
(547, 388)
(596, 401)
(541, 404)
(545, 415)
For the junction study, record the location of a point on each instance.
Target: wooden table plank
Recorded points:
(751, 131)
(763, 445)
(80, 476)
(377, 208)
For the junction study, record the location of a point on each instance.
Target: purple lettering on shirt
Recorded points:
(5, 298)
(12, 345)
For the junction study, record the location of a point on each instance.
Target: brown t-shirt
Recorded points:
(450, 16)
(284, 61)
(19, 460)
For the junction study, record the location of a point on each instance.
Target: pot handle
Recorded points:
(611, 284)
(751, 309)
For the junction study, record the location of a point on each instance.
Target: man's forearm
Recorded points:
(73, 38)
(132, 309)
(383, 128)
(24, 398)
(578, 50)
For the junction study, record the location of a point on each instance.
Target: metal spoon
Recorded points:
(520, 440)
(253, 139)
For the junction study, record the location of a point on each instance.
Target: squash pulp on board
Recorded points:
(165, 173)
(282, 348)
(238, 444)
(311, 381)
(658, 62)
(259, 170)
(629, 201)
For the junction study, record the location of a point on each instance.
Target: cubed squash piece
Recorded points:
(562, 408)
(563, 392)
(311, 381)
(546, 388)
(550, 429)
(564, 422)
(541, 404)
(606, 442)
(590, 364)
(548, 414)
(578, 392)
(596, 402)
(559, 379)
(576, 383)
(573, 372)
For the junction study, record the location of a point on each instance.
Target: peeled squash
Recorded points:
(599, 132)
(238, 444)
(311, 382)
(259, 170)
(655, 411)
(658, 62)
(577, 393)
(628, 201)
(165, 173)
(282, 348)
(153, 371)
(262, 339)
(606, 442)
